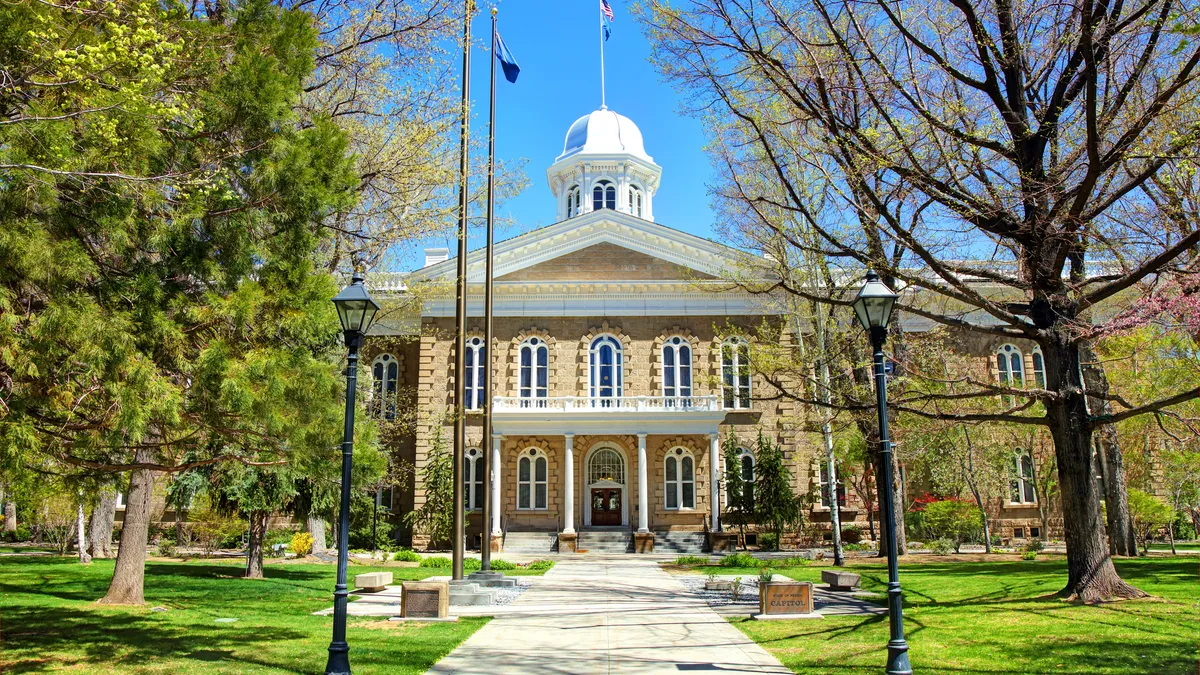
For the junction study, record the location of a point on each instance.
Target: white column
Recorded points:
(643, 492)
(569, 485)
(495, 464)
(714, 492)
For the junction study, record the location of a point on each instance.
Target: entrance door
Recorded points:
(606, 506)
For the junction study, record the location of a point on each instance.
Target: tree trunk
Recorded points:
(1121, 540)
(178, 526)
(129, 574)
(10, 517)
(316, 527)
(81, 535)
(101, 529)
(254, 551)
(968, 470)
(1091, 576)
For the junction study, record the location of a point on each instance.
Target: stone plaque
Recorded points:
(422, 603)
(786, 597)
(425, 599)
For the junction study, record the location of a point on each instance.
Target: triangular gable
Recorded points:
(693, 256)
(605, 262)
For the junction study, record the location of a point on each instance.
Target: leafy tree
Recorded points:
(739, 493)
(435, 516)
(1150, 514)
(953, 519)
(257, 492)
(775, 503)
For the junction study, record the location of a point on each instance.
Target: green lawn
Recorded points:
(49, 621)
(1001, 617)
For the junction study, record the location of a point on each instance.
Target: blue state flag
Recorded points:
(507, 62)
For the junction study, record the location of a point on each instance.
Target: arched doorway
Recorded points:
(606, 493)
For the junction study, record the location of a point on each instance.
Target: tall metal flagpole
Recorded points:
(603, 105)
(460, 380)
(486, 540)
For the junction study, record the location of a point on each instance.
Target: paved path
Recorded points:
(616, 615)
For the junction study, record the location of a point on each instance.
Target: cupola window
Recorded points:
(604, 196)
(635, 201)
(573, 202)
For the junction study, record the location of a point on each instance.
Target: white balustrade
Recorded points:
(616, 404)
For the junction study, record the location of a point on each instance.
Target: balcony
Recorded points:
(607, 415)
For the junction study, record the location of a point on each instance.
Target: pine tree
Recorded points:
(435, 517)
(739, 494)
(775, 503)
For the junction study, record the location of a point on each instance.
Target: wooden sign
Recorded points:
(786, 597)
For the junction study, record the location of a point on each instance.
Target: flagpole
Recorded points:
(486, 540)
(460, 380)
(603, 105)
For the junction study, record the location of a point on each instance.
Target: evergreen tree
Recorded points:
(739, 494)
(435, 516)
(776, 505)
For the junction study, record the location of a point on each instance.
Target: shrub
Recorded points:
(852, 534)
(212, 530)
(166, 547)
(768, 541)
(437, 561)
(539, 565)
(1035, 545)
(764, 576)
(302, 543)
(472, 564)
(407, 555)
(790, 561)
(502, 565)
(1029, 555)
(953, 519)
(691, 560)
(736, 588)
(857, 547)
(740, 559)
(22, 533)
(942, 546)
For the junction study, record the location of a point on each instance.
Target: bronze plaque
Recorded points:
(787, 598)
(421, 603)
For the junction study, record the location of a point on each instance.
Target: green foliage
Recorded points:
(765, 575)
(1149, 514)
(789, 562)
(213, 529)
(739, 496)
(407, 555)
(539, 565)
(1029, 555)
(691, 560)
(776, 506)
(166, 547)
(435, 516)
(438, 561)
(953, 519)
(768, 541)
(502, 565)
(1035, 545)
(851, 534)
(740, 559)
(943, 546)
(21, 534)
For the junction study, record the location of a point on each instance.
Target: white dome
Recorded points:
(604, 132)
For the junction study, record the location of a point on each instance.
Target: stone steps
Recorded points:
(531, 543)
(681, 543)
(605, 541)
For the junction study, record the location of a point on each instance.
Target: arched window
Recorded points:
(677, 369)
(1022, 483)
(532, 468)
(476, 372)
(1010, 365)
(574, 205)
(385, 372)
(635, 201)
(746, 460)
(735, 372)
(534, 372)
(606, 464)
(604, 196)
(680, 472)
(1039, 368)
(473, 469)
(604, 370)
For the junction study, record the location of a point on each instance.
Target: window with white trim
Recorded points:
(383, 497)
(680, 472)
(385, 373)
(604, 196)
(635, 201)
(1039, 368)
(1010, 366)
(841, 488)
(1022, 484)
(476, 371)
(677, 368)
(574, 205)
(532, 491)
(605, 370)
(606, 464)
(735, 372)
(473, 469)
(534, 372)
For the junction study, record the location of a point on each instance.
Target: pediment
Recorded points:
(605, 262)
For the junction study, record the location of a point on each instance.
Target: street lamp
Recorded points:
(356, 310)
(874, 306)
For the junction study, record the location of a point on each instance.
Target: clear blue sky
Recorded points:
(556, 44)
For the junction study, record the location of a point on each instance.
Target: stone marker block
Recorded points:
(722, 542)
(786, 597)
(568, 542)
(840, 581)
(643, 542)
(372, 581)
(425, 599)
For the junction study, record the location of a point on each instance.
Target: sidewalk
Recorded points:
(608, 615)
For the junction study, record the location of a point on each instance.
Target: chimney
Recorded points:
(434, 256)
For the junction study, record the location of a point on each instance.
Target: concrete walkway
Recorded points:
(621, 614)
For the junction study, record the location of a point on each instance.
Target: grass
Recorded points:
(1002, 617)
(49, 621)
(1179, 546)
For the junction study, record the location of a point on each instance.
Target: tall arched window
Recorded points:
(841, 488)
(604, 370)
(1022, 483)
(385, 372)
(574, 205)
(1010, 365)
(532, 468)
(746, 460)
(735, 372)
(476, 372)
(1039, 368)
(534, 372)
(677, 369)
(680, 472)
(604, 196)
(473, 469)
(635, 201)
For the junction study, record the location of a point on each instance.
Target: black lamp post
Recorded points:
(356, 310)
(874, 309)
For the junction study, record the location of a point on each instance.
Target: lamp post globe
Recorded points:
(874, 306)
(356, 310)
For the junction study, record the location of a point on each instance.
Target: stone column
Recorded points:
(643, 491)
(714, 491)
(495, 464)
(569, 485)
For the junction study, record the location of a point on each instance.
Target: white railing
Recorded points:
(617, 404)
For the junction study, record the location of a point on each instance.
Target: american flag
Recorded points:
(606, 9)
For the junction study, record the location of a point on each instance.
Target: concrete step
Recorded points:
(683, 543)
(605, 541)
(530, 543)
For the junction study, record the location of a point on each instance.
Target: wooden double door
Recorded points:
(606, 506)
